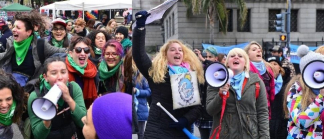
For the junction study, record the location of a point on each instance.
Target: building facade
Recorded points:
(307, 23)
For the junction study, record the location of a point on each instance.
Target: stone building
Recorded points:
(307, 23)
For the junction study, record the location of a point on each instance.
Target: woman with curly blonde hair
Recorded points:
(174, 58)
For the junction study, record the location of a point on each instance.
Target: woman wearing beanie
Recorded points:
(12, 106)
(303, 105)
(121, 35)
(79, 28)
(245, 115)
(111, 69)
(109, 117)
(59, 37)
(81, 69)
(98, 40)
(174, 58)
(263, 69)
(278, 122)
(21, 57)
(70, 106)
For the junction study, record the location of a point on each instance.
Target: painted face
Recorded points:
(78, 28)
(100, 40)
(80, 53)
(6, 100)
(276, 68)
(19, 31)
(113, 25)
(69, 26)
(58, 32)
(255, 53)
(236, 62)
(88, 130)
(111, 56)
(119, 37)
(57, 72)
(175, 54)
(211, 57)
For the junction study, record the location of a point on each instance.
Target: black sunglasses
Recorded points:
(79, 50)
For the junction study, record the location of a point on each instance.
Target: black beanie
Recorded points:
(123, 30)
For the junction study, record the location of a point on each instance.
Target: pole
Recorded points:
(288, 26)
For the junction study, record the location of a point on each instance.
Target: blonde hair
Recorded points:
(247, 48)
(239, 51)
(320, 49)
(159, 65)
(307, 94)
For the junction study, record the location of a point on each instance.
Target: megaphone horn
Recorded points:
(45, 107)
(217, 74)
(313, 74)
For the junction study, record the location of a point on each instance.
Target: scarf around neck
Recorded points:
(237, 84)
(126, 43)
(260, 66)
(75, 65)
(6, 119)
(278, 84)
(88, 78)
(182, 68)
(104, 72)
(21, 49)
(56, 43)
(97, 50)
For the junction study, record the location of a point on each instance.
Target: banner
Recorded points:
(293, 53)
(224, 49)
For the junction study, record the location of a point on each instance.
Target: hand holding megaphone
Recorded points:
(65, 91)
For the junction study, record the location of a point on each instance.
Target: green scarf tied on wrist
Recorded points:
(126, 43)
(56, 43)
(104, 72)
(97, 50)
(76, 66)
(6, 119)
(21, 49)
(44, 83)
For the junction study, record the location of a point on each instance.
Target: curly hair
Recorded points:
(8, 81)
(92, 36)
(31, 20)
(159, 66)
(80, 22)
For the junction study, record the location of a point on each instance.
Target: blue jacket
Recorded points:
(143, 92)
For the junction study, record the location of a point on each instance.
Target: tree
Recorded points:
(213, 9)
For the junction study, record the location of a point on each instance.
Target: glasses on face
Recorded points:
(111, 54)
(58, 29)
(79, 50)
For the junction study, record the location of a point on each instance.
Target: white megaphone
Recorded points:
(218, 75)
(45, 107)
(313, 74)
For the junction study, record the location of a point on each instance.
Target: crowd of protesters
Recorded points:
(111, 87)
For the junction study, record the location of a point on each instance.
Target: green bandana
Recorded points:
(43, 83)
(126, 43)
(5, 119)
(58, 44)
(76, 66)
(47, 32)
(36, 34)
(104, 73)
(21, 49)
(97, 50)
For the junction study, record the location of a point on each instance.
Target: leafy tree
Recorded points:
(215, 9)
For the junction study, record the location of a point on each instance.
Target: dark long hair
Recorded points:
(8, 81)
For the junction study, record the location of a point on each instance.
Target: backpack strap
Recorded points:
(257, 89)
(40, 50)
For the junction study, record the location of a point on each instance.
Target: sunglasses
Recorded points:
(79, 50)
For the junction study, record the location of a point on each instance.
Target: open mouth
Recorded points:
(177, 57)
(82, 60)
(236, 63)
(258, 55)
(4, 110)
(15, 36)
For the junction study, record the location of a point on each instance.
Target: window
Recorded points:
(320, 21)
(246, 27)
(230, 21)
(170, 27)
(272, 19)
(166, 28)
(293, 21)
(173, 23)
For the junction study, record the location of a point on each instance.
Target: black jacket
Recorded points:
(158, 121)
